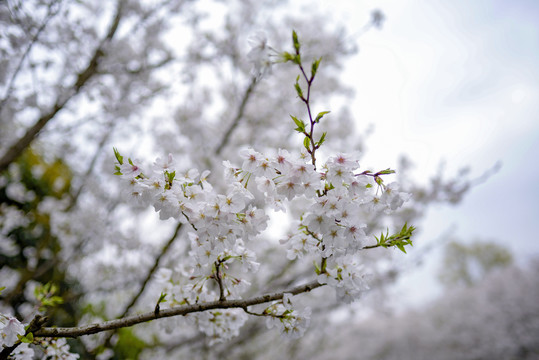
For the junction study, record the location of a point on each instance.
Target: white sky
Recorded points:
(456, 81)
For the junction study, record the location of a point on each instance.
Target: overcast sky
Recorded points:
(457, 81)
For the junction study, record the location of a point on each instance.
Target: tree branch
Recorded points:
(51, 12)
(175, 311)
(152, 270)
(238, 117)
(16, 149)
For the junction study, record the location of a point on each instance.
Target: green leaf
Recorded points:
(307, 143)
(316, 268)
(286, 56)
(299, 123)
(1, 289)
(119, 157)
(298, 88)
(386, 172)
(314, 67)
(128, 345)
(162, 298)
(28, 338)
(295, 41)
(320, 116)
(322, 139)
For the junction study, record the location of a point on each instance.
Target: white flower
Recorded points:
(265, 185)
(23, 352)
(59, 349)
(253, 160)
(161, 165)
(393, 198)
(259, 55)
(10, 327)
(131, 170)
(163, 275)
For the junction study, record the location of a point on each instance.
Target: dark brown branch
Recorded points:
(16, 149)
(219, 279)
(176, 311)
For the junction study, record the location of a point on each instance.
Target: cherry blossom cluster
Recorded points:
(331, 226)
(291, 323)
(222, 225)
(57, 349)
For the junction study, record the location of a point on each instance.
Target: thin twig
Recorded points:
(153, 269)
(147, 279)
(219, 279)
(75, 196)
(50, 14)
(238, 117)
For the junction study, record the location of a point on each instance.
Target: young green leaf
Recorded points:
(298, 88)
(299, 123)
(162, 298)
(307, 143)
(320, 116)
(314, 67)
(322, 139)
(119, 157)
(295, 41)
(386, 172)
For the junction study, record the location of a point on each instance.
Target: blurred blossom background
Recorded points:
(445, 92)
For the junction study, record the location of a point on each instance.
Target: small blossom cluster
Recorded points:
(57, 349)
(220, 325)
(291, 323)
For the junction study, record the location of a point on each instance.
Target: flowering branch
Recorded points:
(175, 311)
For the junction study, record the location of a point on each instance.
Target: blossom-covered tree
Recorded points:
(81, 254)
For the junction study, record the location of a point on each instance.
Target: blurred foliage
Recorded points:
(37, 249)
(37, 258)
(129, 346)
(467, 264)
